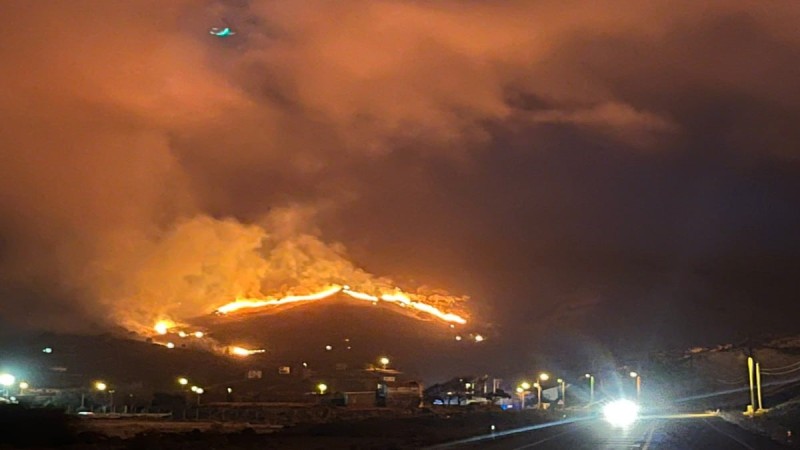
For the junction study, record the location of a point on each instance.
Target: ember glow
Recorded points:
(241, 351)
(399, 298)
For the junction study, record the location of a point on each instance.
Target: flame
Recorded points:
(398, 298)
(256, 303)
(241, 351)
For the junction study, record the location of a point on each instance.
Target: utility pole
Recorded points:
(750, 376)
(758, 385)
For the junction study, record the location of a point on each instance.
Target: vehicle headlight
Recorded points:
(621, 413)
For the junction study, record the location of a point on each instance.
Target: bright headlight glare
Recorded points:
(621, 413)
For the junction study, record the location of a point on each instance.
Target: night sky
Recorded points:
(625, 174)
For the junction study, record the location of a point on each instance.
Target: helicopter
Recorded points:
(222, 31)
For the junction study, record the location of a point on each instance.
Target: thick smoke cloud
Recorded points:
(148, 167)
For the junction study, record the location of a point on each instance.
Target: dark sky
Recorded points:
(624, 173)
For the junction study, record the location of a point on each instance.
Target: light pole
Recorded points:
(522, 390)
(111, 399)
(199, 391)
(101, 386)
(542, 377)
(758, 386)
(563, 392)
(591, 387)
(638, 384)
(752, 406)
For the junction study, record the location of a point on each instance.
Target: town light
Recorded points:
(322, 387)
(183, 381)
(24, 385)
(384, 361)
(634, 374)
(100, 386)
(544, 377)
(525, 385)
(162, 327)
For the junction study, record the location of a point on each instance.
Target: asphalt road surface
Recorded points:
(660, 433)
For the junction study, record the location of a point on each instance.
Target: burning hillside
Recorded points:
(204, 266)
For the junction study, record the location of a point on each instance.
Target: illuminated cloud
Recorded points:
(149, 168)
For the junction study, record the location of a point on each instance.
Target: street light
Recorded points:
(544, 377)
(591, 387)
(101, 386)
(199, 391)
(538, 387)
(523, 389)
(183, 381)
(638, 384)
(322, 387)
(384, 361)
(22, 386)
(563, 392)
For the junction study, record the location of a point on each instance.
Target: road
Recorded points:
(656, 433)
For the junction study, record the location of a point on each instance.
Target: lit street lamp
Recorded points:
(384, 361)
(638, 384)
(199, 391)
(101, 386)
(544, 377)
(591, 387)
(538, 387)
(322, 387)
(22, 386)
(183, 381)
(521, 393)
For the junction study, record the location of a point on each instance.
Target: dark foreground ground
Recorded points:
(443, 429)
(653, 434)
(46, 430)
